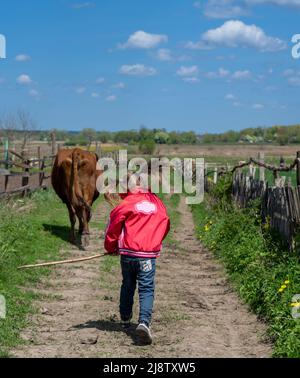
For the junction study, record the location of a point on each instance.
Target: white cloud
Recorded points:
(258, 106)
(291, 3)
(237, 104)
(95, 95)
(164, 55)
(288, 72)
(87, 4)
(239, 75)
(80, 90)
(200, 45)
(185, 71)
(22, 58)
(221, 73)
(294, 80)
(2, 80)
(235, 33)
(219, 9)
(24, 79)
(111, 98)
(230, 96)
(119, 85)
(191, 80)
(138, 70)
(100, 80)
(293, 76)
(143, 40)
(34, 93)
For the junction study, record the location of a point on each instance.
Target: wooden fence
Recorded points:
(22, 175)
(280, 203)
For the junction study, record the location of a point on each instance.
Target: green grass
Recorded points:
(172, 203)
(109, 263)
(258, 265)
(26, 238)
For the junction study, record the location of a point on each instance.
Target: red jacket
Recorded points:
(138, 226)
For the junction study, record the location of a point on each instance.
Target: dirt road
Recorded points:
(196, 312)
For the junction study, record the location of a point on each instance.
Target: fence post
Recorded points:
(216, 175)
(252, 170)
(276, 176)
(41, 163)
(6, 183)
(298, 168)
(280, 182)
(13, 148)
(6, 153)
(261, 159)
(53, 143)
(25, 179)
(98, 149)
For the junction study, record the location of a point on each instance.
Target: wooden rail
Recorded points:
(280, 202)
(17, 165)
(26, 169)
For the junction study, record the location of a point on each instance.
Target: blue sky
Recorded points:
(206, 66)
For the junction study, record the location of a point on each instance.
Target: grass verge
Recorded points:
(172, 203)
(26, 237)
(266, 275)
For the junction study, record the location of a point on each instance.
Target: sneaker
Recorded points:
(144, 334)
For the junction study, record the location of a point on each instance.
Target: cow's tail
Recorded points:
(76, 190)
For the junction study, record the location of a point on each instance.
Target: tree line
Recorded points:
(281, 135)
(21, 126)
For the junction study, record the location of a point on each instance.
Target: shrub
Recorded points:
(147, 147)
(222, 191)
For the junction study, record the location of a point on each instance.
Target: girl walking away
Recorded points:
(136, 230)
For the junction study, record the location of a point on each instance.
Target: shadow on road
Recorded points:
(63, 232)
(111, 326)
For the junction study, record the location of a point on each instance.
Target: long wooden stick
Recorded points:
(63, 262)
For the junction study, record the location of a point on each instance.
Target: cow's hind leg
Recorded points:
(83, 217)
(85, 238)
(72, 216)
(80, 226)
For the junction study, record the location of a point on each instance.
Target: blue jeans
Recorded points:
(142, 271)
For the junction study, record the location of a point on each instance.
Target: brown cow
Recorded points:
(74, 177)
